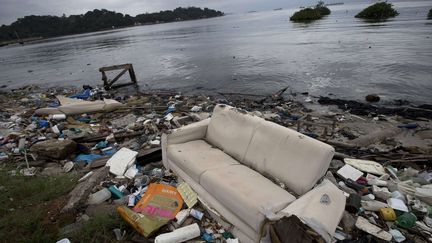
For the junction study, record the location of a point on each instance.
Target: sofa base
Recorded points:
(230, 221)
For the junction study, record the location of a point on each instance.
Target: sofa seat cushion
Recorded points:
(195, 157)
(245, 192)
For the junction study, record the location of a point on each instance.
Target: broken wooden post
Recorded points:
(108, 84)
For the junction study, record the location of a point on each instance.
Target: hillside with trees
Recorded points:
(51, 26)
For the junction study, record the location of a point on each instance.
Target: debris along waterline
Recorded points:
(72, 137)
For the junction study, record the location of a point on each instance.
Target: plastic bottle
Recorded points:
(99, 197)
(388, 214)
(180, 235)
(406, 220)
(196, 214)
(58, 116)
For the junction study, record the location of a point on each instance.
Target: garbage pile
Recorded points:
(112, 140)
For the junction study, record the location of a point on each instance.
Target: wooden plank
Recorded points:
(115, 67)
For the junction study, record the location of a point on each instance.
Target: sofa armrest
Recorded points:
(184, 134)
(321, 209)
(187, 133)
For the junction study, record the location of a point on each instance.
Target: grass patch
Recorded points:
(378, 11)
(99, 229)
(311, 14)
(24, 204)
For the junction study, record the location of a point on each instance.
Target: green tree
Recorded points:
(377, 11)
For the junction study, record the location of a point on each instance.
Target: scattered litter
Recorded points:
(68, 166)
(397, 204)
(188, 195)
(196, 214)
(121, 161)
(180, 235)
(363, 224)
(349, 172)
(99, 197)
(366, 166)
(159, 205)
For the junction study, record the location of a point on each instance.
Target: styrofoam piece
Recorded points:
(349, 172)
(121, 161)
(397, 204)
(232, 240)
(180, 235)
(131, 172)
(366, 166)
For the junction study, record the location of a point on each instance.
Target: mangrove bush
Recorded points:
(378, 11)
(310, 14)
(323, 10)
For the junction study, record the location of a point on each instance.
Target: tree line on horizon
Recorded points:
(50, 26)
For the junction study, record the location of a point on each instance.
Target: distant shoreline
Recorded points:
(35, 27)
(40, 39)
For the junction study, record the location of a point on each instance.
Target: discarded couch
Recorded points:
(228, 158)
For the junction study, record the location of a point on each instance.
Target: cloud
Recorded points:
(10, 10)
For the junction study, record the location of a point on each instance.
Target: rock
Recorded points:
(372, 98)
(55, 149)
(80, 193)
(52, 171)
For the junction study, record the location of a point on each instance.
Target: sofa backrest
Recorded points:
(296, 160)
(231, 130)
(273, 150)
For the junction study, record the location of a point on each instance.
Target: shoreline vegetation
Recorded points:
(37, 27)
(378, 11)
(311, 14)
(430, 14)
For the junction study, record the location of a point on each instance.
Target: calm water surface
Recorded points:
(248, 53)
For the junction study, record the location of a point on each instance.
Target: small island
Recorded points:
(378, 11)
(430, 14)
(311, 14)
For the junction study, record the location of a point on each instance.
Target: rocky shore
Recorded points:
(398, 137)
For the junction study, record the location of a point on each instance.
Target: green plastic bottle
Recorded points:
(406, 220)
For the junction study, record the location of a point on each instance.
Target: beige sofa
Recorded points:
(229, 158)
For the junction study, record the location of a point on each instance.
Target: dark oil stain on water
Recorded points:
(249, 53)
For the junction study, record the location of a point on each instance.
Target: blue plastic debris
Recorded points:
(43, 123)
(83, 95)
(170, 109)
(208, 237)
(409, 126)
(310, 134)
(101, 145)
(88, 158)
(85, 119)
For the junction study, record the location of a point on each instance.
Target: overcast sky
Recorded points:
(10, 10)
